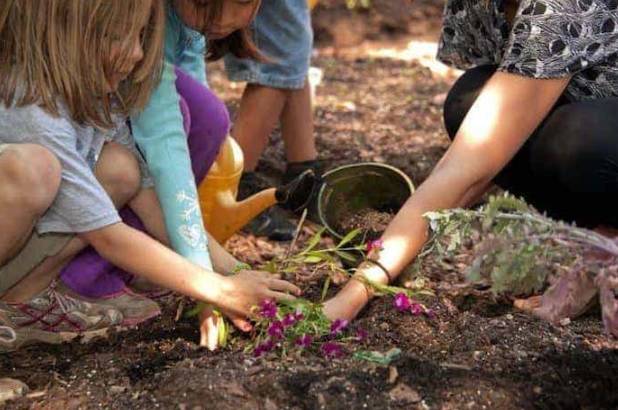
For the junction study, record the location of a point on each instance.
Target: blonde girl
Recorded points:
(71, 72)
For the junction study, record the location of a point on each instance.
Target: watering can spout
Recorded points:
(223, 214)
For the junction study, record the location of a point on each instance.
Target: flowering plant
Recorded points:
(300, 325)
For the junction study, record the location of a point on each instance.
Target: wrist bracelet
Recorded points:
(363, 281)
(379, 265)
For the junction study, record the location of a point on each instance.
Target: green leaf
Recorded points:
(313, 242)
(325, 288)
(378, 357)
(346, 256)
(313, 259)
(349, 238)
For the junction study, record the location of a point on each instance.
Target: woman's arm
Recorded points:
(507, 111)
(137, 253)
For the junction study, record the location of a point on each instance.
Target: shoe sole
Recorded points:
(33, 336)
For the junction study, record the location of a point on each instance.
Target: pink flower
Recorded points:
(268, 309)
(289, 320)
(402, 302)
(337, 326)
(275, 330)
(331, 350)
(265, 347)
(430, 313)
(361, 335)
(376, 245)
(417, 309)
(304, 341)
(298, 315)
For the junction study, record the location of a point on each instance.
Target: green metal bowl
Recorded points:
(351, 188)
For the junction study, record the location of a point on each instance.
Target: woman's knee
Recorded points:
(577, 145)
(31, 176)
(462, 95)
(119, 173)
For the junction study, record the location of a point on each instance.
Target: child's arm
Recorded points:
(147, 207)
(160, 135)
(137, 253)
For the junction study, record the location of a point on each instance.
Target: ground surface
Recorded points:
(477, 353)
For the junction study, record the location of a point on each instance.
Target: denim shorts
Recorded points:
(282, 32)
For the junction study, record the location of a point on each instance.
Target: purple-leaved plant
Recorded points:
(402, 302)
(268, 309)
(338, 326)
(331, 350)
(304, 342)
(276, 330)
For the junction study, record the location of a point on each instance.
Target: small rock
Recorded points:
(393, 374)
(321, 400)
(270, 405)
(537, 390)
(477, 355)
(117, 389)
(565, 322)
(509, 316)
(404, 394)
(11, 389)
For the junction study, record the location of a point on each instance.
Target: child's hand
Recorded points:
(211, 326)
(246, 289)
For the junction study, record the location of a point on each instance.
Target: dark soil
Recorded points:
(476, 353)
(370, 222)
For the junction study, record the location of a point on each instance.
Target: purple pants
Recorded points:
(206, 122)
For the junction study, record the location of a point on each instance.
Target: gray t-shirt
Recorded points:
(82, 205)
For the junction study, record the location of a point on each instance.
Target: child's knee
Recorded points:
(118, 172)
(32, 176)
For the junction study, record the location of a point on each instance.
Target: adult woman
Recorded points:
(532, 114)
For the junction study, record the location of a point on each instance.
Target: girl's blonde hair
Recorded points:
(59, 51)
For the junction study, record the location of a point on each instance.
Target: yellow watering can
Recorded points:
(223, 215)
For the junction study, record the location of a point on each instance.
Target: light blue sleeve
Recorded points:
(192, 59)
(159, 133)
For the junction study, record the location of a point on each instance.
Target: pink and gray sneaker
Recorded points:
(53, 317)
(134, 308)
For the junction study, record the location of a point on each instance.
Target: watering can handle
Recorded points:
(296, 194)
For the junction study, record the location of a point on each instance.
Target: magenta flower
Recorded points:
(361, 335)
(417, 309)
(275, 330)
(268, 309)
(430, 313)
(376, 245)
(265, 347)
(289, 320)
(304, 341)
(331, 350)
(402, 302)
(338, 326)
(298, 315)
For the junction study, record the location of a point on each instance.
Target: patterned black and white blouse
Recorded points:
(548, 39)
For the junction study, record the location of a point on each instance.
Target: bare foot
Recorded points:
(11, 389)
(572, 294)
(528, 305)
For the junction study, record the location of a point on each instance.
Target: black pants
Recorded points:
(568, 167)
